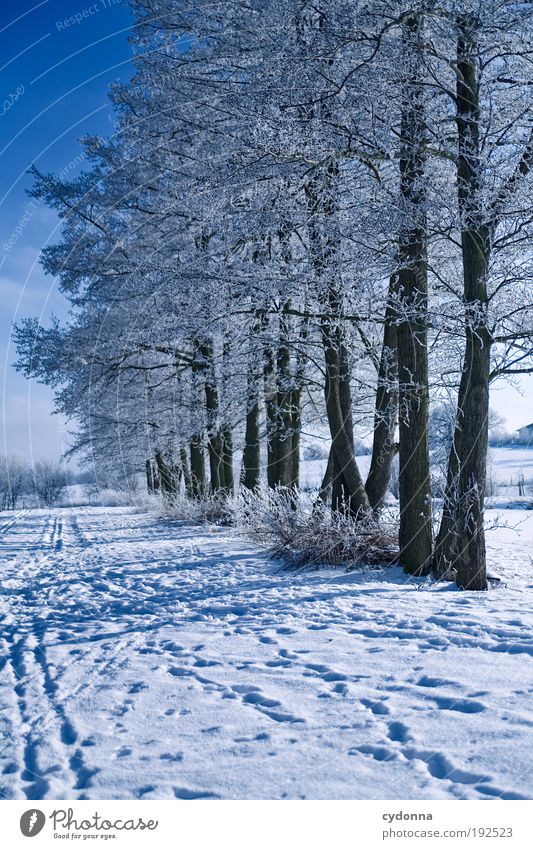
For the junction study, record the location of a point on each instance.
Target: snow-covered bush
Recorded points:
(211, 509)
(302, 531)
(114, 498)
(14, 481)
(49, 481)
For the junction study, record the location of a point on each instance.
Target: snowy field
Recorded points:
(506, 466)
(148, 660)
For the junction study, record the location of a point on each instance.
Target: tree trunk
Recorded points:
(384, 447)
(227, 461)
(349, 493)
(186, 472)
(296, 403)
(415, 535)
(226, 430)
(251, 459)
(282, 473)
(196, 442)
(462, 535)
(215, 445)
(269, 378)
(445, 551)
(149, 476)
(166, 478)
(296, 428)
(196, 448)
(327, 480)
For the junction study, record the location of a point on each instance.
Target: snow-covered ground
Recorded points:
(507, 465)
(143, 659)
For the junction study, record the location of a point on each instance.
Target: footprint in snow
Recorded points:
(185, 793)
(398, 732)
(179, 671)
(426, 681)
(10, 768)
(137, 687)
(124, 752)
(439, 766)
(272, 708)
(378, 707)
(325, 672)
(174, 758)
(379, 753)
(461, 705)
(495, 792)
(245, 688)
(144, 791)
(259, 699)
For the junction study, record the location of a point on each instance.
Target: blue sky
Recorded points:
(58, 59)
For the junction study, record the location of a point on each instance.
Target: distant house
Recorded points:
(525, 434)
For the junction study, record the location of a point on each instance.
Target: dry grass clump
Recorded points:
(210, 510)
(303, 532)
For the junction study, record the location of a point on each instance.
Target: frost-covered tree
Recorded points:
(14, 481)
(49, 482)
(309, 214)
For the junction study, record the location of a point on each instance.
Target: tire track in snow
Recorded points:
(12, 521)
(49, 737)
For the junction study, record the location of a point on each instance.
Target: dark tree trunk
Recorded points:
(227, 461)
(445, 551)
(339, 496)
(149, 476)
(186, 472)
(282, 473)
(461, 542)
(296, 404)
(197, 455)
(196, 442)
(166, 477)
(226, 473)
(415, 535)
(349, 493)
(215, 446)
(269, 377)
(296, 429)
(251, 460)
(384, 447)
(327, 480)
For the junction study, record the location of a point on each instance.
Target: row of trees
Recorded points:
(310, 215)
(43, 483)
